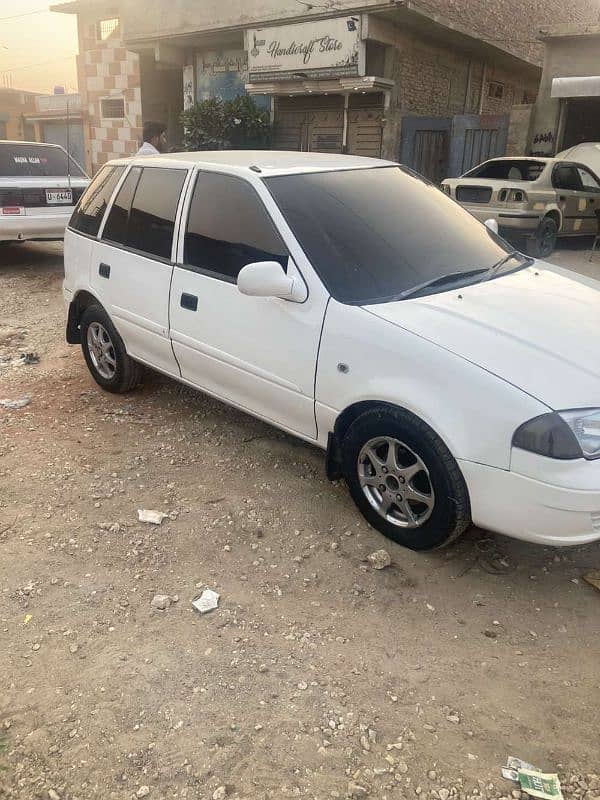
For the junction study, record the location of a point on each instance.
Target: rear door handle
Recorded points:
(104, 270)
(189, 301)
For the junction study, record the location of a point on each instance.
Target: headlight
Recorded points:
(562, 434)
(585, 424)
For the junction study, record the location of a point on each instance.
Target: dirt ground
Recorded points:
(318, 676)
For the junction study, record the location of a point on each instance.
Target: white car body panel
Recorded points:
(508, 327)
(136, 298)
(38, 223)
(472, 411)
(473, 363)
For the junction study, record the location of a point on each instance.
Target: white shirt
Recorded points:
(148, 149)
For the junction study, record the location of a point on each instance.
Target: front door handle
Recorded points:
(104, 271)
(189, 301)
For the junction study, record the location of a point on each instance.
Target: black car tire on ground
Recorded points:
(543, 243)
(127, 372)
(451, 514)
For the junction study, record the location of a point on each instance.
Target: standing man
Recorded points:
(155, 139)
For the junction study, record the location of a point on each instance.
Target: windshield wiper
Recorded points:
(515, 254)
(451, 277)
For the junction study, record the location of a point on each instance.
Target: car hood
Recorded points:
(538, 329)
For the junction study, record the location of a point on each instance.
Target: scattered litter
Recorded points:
(26, 358)
(380, 559)
(153, 517)
(15, 405)
(516, 763)
(538, 784)
(208, 601)
(511, 771)
(593, 578)
(161, 601)
(28, 618)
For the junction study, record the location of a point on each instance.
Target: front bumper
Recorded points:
(530, 509)
(517, 221)
(25, 227)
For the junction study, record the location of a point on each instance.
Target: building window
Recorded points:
(105, 28)
(112, 108)
(496, 90)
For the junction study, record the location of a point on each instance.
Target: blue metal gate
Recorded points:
(445, 147)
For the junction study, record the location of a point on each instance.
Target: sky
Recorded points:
(37, 46)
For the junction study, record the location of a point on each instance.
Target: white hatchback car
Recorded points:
(351, 303)
(39, 187)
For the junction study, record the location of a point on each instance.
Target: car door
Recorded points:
(258, 353)
(591, 192)
(571, 199)
(132, 263)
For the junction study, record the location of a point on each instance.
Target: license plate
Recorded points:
(62, 197)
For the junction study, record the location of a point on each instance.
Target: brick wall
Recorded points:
(108, 70)
(433, 80)
(515, 23)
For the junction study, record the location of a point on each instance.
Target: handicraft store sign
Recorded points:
(310, 50)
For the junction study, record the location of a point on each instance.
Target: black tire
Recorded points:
(544, 242)
(451, 513)
(128, 373)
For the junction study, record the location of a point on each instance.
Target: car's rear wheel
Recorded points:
(544, 241)
(105, 353)
(404, 479)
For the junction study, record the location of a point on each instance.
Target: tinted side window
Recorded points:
(89, 214)
(115, 229)
(152, 218)
(229, 227)
(566, 178)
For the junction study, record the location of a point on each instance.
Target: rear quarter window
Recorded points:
(89, 214)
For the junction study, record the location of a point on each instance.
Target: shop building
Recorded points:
(433, 84)
(14, 104)
(567, 111)
(57, 119)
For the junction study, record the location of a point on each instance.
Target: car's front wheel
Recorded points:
(105, 353)
(404, 479)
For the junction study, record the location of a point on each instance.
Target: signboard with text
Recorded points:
(323, 49)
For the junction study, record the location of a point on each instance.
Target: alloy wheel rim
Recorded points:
(102, 351)
(396, 482)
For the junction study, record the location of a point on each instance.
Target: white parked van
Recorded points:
(350, 302)
(39, 187)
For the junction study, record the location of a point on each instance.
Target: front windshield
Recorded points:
(372, 234)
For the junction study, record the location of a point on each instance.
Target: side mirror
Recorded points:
(268, 279)
(492, 225)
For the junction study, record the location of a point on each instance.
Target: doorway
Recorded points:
(309, 124)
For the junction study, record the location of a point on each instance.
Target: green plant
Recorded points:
(204, 126)
(248, 125)
(217, 125)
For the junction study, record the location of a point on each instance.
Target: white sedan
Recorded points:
(451, 379)
(39, 187)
